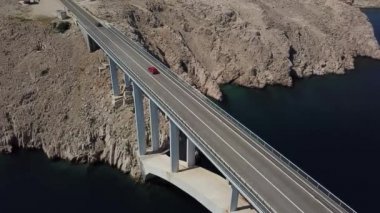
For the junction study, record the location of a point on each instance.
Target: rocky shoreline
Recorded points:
(367, 3)
(55, 98)
(249, 43)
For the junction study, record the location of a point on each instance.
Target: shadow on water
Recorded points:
(30, 182)
(329, 126)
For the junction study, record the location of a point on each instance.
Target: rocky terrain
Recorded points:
(245, 42)
(53, 96)
(367, 3)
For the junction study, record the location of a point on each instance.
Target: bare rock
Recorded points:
(49, 104)
(349, 2)
(367, 3)
(250, 43)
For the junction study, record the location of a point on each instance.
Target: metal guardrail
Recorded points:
(243, 128)
(261, 204)
(219, 110)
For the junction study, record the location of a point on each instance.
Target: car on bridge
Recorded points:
(153, 70)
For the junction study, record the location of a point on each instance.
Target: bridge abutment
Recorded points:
(139, 117)
(91, 44)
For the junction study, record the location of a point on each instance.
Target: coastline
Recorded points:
(88, 134)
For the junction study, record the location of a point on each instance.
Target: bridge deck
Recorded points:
(262, 173)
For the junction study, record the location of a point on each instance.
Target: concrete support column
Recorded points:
(190, 153)
(114, 80)
(91, 44)
(127, 81)
(234, 198)
(139, 117)
(174, 146)
(154, 125)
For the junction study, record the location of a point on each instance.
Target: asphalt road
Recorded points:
(263, 173)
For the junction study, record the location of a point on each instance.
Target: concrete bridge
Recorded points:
(255, 175)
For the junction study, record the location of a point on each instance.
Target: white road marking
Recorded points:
(217, 135)
(206, 124)
(198, 101)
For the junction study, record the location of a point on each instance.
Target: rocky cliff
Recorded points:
(53, 97)
(245, 42)
(367, 3)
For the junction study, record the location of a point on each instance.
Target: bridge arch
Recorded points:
(208, 188)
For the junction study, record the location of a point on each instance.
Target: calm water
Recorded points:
(29, 182)
(329, 126)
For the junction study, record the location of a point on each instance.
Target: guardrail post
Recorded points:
(114, 80)
(154, 125)
(190, 153)
(174, 146)
(234, 198)
(139, 117)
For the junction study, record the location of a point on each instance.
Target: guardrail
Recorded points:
(227, 170)
(185, 128)
(285, 161)
(217, 109)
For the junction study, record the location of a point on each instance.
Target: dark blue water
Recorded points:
(329, 126)
(29, 182)
(373, 15)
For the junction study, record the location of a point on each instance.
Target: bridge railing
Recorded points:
(180, 123)
(248, 191)
(285, 161)
(261, 204)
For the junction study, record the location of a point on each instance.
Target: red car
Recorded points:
(153, 70)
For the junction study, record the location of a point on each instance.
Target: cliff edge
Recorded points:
(54, 97)
(366, 3)
(245, 42)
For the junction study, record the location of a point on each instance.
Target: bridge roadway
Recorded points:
(261, 174)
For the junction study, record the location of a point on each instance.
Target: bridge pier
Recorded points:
(127, 81)
(154, 125)
(190, 153)
(139, 117)
(91, 44)
(234, 198)
(174, 147)
(114, 80)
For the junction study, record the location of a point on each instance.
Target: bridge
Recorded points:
(255, 174)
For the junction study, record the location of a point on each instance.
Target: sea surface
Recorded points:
(30, 182)
(329, 126)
